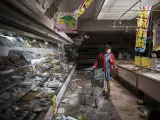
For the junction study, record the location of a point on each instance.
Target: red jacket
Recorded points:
(101, 61)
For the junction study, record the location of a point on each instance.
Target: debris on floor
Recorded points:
(121, 105)
(81, 117)
(62, 117)
(141, 102)
(142, 116)
(144, 111)
(61, 111)
(71, 118)
(105, 110)
(65, 101)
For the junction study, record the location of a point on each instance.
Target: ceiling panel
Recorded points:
(113, 9)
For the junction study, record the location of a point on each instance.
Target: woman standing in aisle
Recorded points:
(106, 61)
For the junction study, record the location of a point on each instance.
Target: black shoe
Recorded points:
(107, 95)
(104, 92)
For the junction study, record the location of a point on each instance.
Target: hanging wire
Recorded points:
(126, 11)
(140, 5)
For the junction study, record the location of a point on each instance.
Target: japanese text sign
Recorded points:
(142, 28)
(84, 6)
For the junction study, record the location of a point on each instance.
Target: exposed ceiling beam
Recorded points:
(98, 7)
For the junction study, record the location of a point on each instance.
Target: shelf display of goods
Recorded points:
(148, 62)
(143, 61)
(136, 60)
(144, 64)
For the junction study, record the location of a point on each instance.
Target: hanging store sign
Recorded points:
(84, 6)
(156, 38)
(142, 28)
(67, 22)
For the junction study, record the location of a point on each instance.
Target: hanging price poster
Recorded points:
(67, 22)
(156, 38)
(142, 28)
(84, 6)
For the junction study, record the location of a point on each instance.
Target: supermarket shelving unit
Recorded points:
(14, 22)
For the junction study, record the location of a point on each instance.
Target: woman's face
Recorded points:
(108, 51)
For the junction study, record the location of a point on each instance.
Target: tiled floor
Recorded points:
(126, 103)
(120, 106)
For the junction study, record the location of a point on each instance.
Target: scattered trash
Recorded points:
(71, 118)
(75, 80)
(61, 117)
(65, 101)
(142, 116)
(82, 109)
(54, 84)
(65, 118)
(73, 95)
(43, 95)
(130, 114)
(140, 102)
(73, 100)
(81, 117)
(60, 111)
(40, 109)
(144, 111)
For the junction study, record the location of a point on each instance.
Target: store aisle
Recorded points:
(120, 106)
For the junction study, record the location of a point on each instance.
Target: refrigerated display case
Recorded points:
(145, 79)
(32, 71)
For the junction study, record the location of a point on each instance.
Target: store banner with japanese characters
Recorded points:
(67, 22)
(156, 38)
(83, 7)
(142, 28)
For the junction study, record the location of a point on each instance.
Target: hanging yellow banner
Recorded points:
(142, 28)
(84, 6)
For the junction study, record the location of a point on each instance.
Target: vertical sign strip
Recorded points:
(84, 6)
(156, 38)
(142, 28)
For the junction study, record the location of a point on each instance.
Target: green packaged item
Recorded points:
(82, 117)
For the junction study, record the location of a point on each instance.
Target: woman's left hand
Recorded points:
(111, 60)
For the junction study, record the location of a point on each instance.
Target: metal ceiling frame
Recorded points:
(126, 11)
(96, 12)
(120, 9)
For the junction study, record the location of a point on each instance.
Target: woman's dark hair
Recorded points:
(107, 47)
